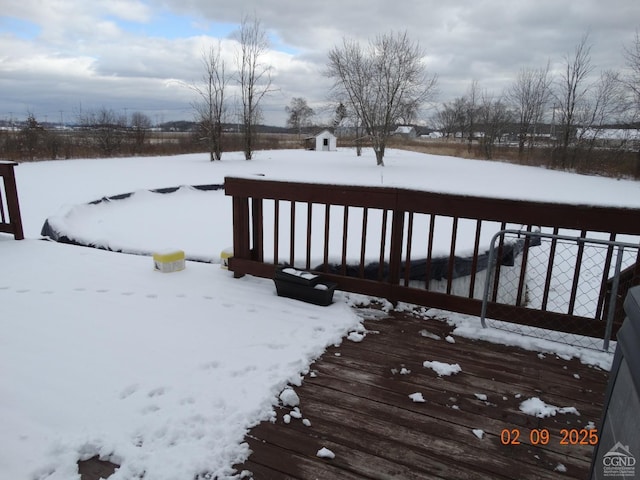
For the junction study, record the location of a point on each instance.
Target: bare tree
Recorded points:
(339, 115)
(254, 77)
(105, 129)
(632, 60)
(32, 137)
(140, 125)
(529, 94)
(210, 107)
(471, 111)
(571, 93)
(344, 115)
(300, 114)
(381, 83)
(604, 106)
(450, 118)
(632, 84)
(494, 116)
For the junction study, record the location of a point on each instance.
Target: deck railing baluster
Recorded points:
(345, 235)
(407, 265)
(427, 267)
(363, 242)
(292, 235)
(327, 218)
(452, 255)
(549, 275)
(276, 230)
(474, 261)
(576, 275)
(309, 218)
(383, 240)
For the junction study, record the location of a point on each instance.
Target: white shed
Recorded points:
(323, 141)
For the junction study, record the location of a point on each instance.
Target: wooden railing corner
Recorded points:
(10, 221)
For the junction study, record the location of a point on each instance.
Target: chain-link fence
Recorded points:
(577, 281)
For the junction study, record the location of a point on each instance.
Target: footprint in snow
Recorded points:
(128, 391)
(238, 373)
(23, 290)
(102, 290)
(152, 295)
(127, 294)
(149, 409)
(210, 365)
(156, 392)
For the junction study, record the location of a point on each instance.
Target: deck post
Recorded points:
(241, 247)
(13, 206)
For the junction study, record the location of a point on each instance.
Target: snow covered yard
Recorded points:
(161, 373)
(164, 373)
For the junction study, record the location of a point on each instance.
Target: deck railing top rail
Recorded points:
(561, 215)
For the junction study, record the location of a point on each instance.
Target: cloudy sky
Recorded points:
(61, 57)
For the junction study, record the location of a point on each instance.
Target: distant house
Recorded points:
(323, 141)
(405, 131)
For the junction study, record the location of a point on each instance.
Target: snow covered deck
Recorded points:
(383, 414)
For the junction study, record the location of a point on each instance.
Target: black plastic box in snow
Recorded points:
(305, 286)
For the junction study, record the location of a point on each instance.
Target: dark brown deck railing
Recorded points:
(10, 220)
(397, 209)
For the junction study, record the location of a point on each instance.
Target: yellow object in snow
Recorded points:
(169, 261)
(225, 255)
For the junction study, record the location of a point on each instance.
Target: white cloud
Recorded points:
(96, 44)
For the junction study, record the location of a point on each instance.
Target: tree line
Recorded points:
(385, 83)
(378, 85)
(571, 111)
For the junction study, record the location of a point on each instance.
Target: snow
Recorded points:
(428, 334)
(300, 273)
(443, 369)
(538, 408)
(325, 453)
(560, 467)
(481, 396)
(355, 337)
(417, 397)
(469, 327)
(289, 398)
(478, 433)
(165, 373)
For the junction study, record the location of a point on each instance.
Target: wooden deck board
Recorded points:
(359, 407)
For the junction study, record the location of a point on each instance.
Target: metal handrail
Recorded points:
(574, 239)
